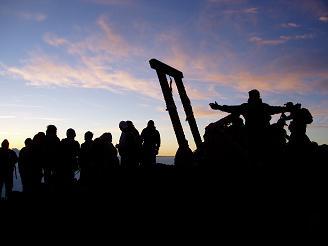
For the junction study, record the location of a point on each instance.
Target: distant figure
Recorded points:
(257, 117)
(151, 141)
(70, 151)
(225, 143)
(137, 153)
(25, 165)
(256, 113)
(87, 159)
(8, 159)
(300, 117)
(51, 154)
(105, 157)
(128, 147)
(184, 157)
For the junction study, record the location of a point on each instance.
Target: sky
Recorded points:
(83, 64)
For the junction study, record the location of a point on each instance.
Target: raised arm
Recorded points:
(225, 108)
(276, 109)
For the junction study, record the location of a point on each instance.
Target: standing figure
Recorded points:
(151, 142)
(8, 159)
(70, 151)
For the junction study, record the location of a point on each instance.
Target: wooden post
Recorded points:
(162, 70)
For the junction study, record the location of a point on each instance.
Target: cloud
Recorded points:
(48, 119)
(293, 72)
(96, 59)
(241, 11)
(260, 41)
(44, 71)
(109, 2)
(281, 40)
(290, 25)
(30, 16)
(104, 43)
(206, 112)
(323, 18)
(2, 117)
(13, 105)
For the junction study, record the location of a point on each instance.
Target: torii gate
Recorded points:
(162, 70)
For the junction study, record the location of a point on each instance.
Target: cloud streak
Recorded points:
(31, 16)
(324, 19)
(290, 25)
(281, 40)
(95, 56)
(241, 11)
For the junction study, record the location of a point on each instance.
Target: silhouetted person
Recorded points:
(128, 147)
(137, 153)
(26, 165)
(87, 159)
(151, 141)
(51, 148)
(70, 150)
(277, 142)
(105, 157)
(300, 118)
(225, 142)
(39, 159)
(256, 113)
(257, 120)
(184, 157)
(8, 159)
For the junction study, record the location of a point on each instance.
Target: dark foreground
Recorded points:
(229, 202)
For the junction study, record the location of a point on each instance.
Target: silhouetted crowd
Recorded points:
(51, 163)
(46, 162)
(259, 144)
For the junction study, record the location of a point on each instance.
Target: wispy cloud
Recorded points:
(281, 40)
(31, 16)
(105, 43)
(294, 72)
(241, 11)
(206, 112)
(96, 57)
(48, 119)
(42, 70)
(110, 2)
(290, 25)
(7, 117)
(12, 105)
(323, 18)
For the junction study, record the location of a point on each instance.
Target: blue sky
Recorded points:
(84, 63)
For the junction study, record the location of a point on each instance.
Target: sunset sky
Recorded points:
(84, 63)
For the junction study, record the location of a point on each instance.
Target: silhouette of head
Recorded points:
(51, 130)
(38, 138)
(151, 123)
(88, 136)
(254, 95)
(28, 142)
(123, 125)
(129, 124)
(107, 137)
(5, 144)
(70, 133)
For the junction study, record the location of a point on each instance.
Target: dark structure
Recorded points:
(163, 70)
